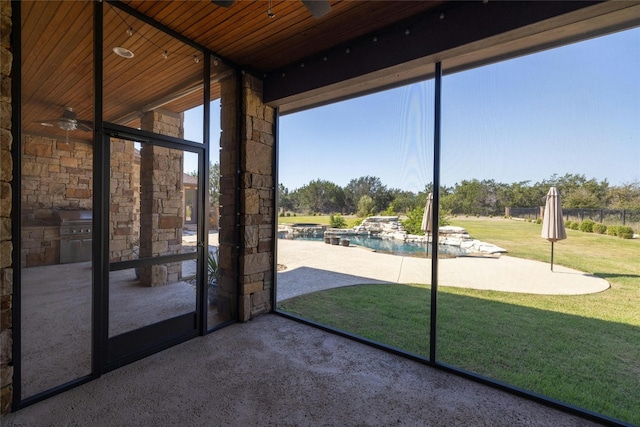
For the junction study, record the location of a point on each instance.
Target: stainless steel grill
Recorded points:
(76, 235)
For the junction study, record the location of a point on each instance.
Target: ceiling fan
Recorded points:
(68, 121)
(318, 8)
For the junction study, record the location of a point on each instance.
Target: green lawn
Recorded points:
(319, 219)
(584, 350)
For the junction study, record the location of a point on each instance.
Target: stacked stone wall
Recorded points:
(163, 122)
(6, 178)
(161, 200)
(257, 196)
(124, 201)
(227, 302)
(56, 175)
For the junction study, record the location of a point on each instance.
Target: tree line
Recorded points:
(367, 195)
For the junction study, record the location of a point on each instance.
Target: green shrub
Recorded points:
(212, 268)
(599, 228)
(389, 212)
(586, 226)
(337, 221)
(357, 222)
(538, 221)
(365, 206)
(288, 213)
(625, 232)
(612, 230)
(574, 225)
(567, 224)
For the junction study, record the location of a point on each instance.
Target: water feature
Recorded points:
(395, 247)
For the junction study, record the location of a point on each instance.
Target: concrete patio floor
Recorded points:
(313, 266)
(274, 371)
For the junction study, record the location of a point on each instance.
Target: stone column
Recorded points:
(161, 199)
(6, 177)
(255, 188)
(124, 207)
(227, 281)
(257, 195)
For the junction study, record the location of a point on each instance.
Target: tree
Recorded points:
(403, 201)
(367, 186)
(626, 196)
(285, 200)
(214, 189)
(365, 206)
(214, 183)
(321, 196)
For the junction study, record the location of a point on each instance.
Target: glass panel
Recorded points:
(148, 205)
(148, 74)
(221, 281)
(56, 193)
(564, 118)
(354, 178)
(133, 305)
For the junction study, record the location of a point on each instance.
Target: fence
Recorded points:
(630, 217)
(530, 213)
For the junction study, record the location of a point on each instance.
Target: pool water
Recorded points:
(394, 247)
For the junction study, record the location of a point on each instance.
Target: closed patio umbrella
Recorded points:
(427, 218)
(553, 223)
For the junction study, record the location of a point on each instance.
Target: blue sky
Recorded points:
(574, 109)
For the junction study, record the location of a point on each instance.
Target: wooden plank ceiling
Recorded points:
(245, 34)
(57, 49)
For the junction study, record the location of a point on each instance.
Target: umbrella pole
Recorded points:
(551, 256)
(427, 245)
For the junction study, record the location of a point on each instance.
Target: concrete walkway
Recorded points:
(313, 266)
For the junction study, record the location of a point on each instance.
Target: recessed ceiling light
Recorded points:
(121, 51)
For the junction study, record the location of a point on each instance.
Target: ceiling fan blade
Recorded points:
(223, 3)
(84, 125)
(318, 8)
(48, 122)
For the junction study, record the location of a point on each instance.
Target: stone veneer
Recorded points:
(227, 302)
(6, 177)
(56, 174)
(162, 203)
(124, 201)
(257, 197)
(256, 187)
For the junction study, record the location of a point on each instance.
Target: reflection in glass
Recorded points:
(133, 305)
(163, 76)
(56, 196)
(149, 199)
(221, 284)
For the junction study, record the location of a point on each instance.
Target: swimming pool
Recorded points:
(395, 247)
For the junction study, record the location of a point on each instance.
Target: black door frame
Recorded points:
(125, 348)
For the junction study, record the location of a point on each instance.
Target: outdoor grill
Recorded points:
(75, 235)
